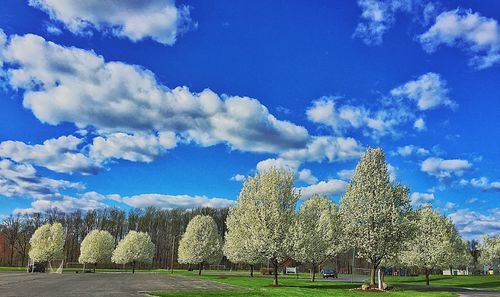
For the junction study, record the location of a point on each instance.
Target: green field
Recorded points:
(289, 286)
(489, 282)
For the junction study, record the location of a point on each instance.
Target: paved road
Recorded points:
(97, 284)
(464, 292)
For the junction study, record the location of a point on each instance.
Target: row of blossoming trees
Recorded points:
(374, 217)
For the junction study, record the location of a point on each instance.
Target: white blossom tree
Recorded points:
(315, 232)
(267, 209)
(375, 212)
(433, 243)
(96, 247)
(136, 247)
(201, 243)
(47, 243)
(238, 246)
(490, 251)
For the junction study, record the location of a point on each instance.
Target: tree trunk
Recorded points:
(251, 270)
(133, 267)
(95, 265)
(373, 274)
(313, 278)
(427, 272)
(199, 267)
(12, 255)
(275, 265)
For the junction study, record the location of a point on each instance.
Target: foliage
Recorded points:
(375, 213)
(97, 247)
(201, 243)
(135, 247)
(315, 231)
(47, 243)
(490, 250)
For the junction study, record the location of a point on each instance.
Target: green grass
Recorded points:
(489, 282)
(289, 286)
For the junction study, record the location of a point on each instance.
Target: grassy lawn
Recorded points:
(289, 286)
(490, 282)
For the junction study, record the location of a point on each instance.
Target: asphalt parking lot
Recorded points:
(97, 284)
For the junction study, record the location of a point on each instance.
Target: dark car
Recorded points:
(329, 272)
(37, 267)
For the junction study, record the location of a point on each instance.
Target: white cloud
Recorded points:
(450, 206)
(137, 147)
(176, 201)
(377, 17)
(74, 85)
(329, 188)
(279, 163)
(392, 171)
(473, 225)
(419, 124)
(22, 180)
(326, 147)
(60, 155)
(479, 35)
(306, 175)
(87, 201)
(345, 174)
(445, 168)
(238, 178)
(409, 150)
(482, 183)
(421, 199)
(159, 20)
(471, 200)
(428, 91)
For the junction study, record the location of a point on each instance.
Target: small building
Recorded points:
(456, 271)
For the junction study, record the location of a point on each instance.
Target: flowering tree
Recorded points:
(135, 247)
(490, 251)
(201, 243)
(315, 232)
(433, 243)
(238, 246)
(47, 243)
(375, 212)
(96, 247)
(267, 209)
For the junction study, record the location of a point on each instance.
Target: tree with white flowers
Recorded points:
(47, 243)
(136, 247)
(315, 232)
(490, 251)
(96, 247)
(201, 243)
(434, 242)
(375, 212)
(267, 203)
(238, 246)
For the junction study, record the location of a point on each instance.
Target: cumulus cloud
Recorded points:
(482, 183)
(478, 35)
(306, 176)
(421, 199)
(59, 155)
(78, 86)
(443, 169)
(428, 91)
(326, 147)
(238, 178)
(450, 206)
(473, 225)
(278, 163)
(411, 149)
(22, 180)
(345, 174)
(159, 20)
(132, 147)
(87, 201)
(176, 201)
(328, 188)
(419, 124)
(377, 17)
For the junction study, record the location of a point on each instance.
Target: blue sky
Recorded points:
(172, 104)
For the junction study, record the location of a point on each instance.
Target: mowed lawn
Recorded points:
(289, 286)
(488, 282)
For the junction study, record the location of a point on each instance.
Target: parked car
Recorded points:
(329, 272)
(37, 267)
